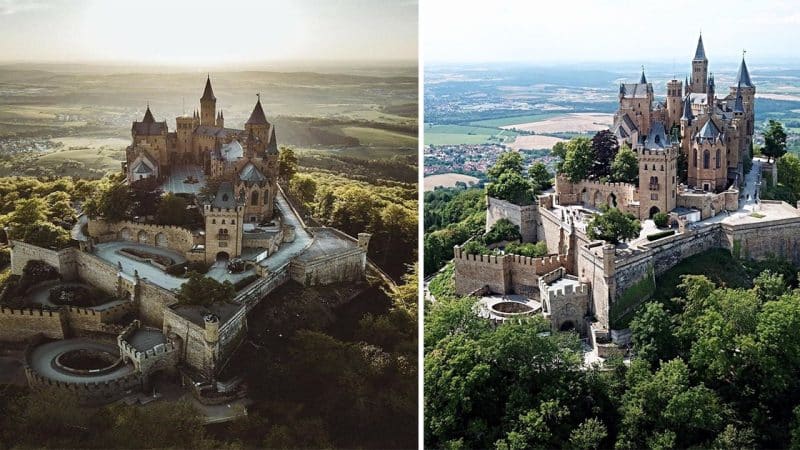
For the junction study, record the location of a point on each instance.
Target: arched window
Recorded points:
(254, 198)
(223, 221)
(214, 221)
(718, 158)
(645, 167)
(694, 157)
(662, 167)
(706, 159)
(241, 195)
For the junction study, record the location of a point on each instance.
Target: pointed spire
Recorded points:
(743, 76)
(643, 79)
(687, 109)
(148, 116)
(257, 117)
(711, 82)
(208, 93)
(700, 53)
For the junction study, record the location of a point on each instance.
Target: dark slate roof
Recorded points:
(643, 79)
(700, 53)
(208, 93)
(657, 137)
(629, 122)
(142, 168)
(687, 109)
(272, 147)
(149, 128)
(709, 131)
(743, 77)
(208, 130)
(257, 117)
(634, 90)
(250, 173)
(224, 197)
(148, 116)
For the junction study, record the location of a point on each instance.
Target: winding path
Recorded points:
(42, 357)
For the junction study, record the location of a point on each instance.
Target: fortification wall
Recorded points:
(168, 236)
(193, 349)
(779, 238)
(595, 193)
(251, 295)
(87, 319)
(522, 216)
(473, 272)
(709, 204)
(19, 325)
(345, 266)
(154, 301)
(97, 272)
(63, 260)
(161, 357)
(525, 272)
(590, 270)
(104, 391)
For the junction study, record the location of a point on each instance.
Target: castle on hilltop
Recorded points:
(712, 129)
(595, 287)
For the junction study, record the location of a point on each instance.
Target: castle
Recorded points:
(143, 330)
(593, 287)
(712, 130)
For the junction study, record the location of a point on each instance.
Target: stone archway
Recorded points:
(584, 197)
(161, 240)
(125, 234)
(612, 200)
(223, 256)
(597, 200)
(142, 237)
(653, 211)
(567, 325)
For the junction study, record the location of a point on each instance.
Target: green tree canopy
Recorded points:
(507, 162)
(287, 163)
(613, 226)
(541, 178)
(625, 167)
(502, 230)
(202, 290)
(605, 148)
(512, 187)
(774, 140)
(172, 210)
(303, 187)
(579, 159)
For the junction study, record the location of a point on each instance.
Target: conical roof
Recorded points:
(643, 79)
(208, 93)
(700, 53)
(148, 116)
(743, 76)
(257, 117)
(687, 109)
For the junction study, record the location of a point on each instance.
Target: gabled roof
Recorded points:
(208, 93)
(743, 76)
(148, 116)
(149, 128)
(251, 174)
(142, 168)
(709, 131)
(634, 90)
(224, 197)
(657, 138)
(700, 53)
(257, 117)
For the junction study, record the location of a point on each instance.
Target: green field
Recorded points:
(506, 121)
(376, 137)
(463, 134)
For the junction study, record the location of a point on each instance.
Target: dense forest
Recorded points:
(712, 367)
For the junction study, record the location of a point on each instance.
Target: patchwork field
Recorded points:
(466, 135)
(534, 142)
(567, 123)
(447, 180)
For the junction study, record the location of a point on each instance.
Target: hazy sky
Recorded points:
(595, 30)
(199, 31)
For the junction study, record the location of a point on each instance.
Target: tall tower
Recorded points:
(208, 105)
(699, 68)
(257, 125)
(674, 104)
(744, 86)
(710, 94)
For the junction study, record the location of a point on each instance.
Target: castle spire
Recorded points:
(643, 79)
(743, 76)
(257, 117)
(208, 93)
(700, 53)
(148, 116)
(687, 109)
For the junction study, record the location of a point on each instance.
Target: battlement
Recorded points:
(38, 312)
(137, 356)
(568, 291)
(88, 389)
(540, 265)
(660, 154)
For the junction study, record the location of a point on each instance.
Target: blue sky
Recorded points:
(198, 31)
(570, 31)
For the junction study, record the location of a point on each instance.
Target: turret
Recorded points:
(710, 94)
(699, 68)
(363, 241)
(208, 105)
(220, 120)
(257, 124)
(674, 103)
(211, 323)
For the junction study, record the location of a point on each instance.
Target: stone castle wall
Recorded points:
(522, 216)
(161, 357)
(596, 194)
(709, 204)
(87, 319)
(62, 260)
(154, 301)
(97, 272)
(173, 237)
(193, 349)
(20, 325)
(91, 391)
